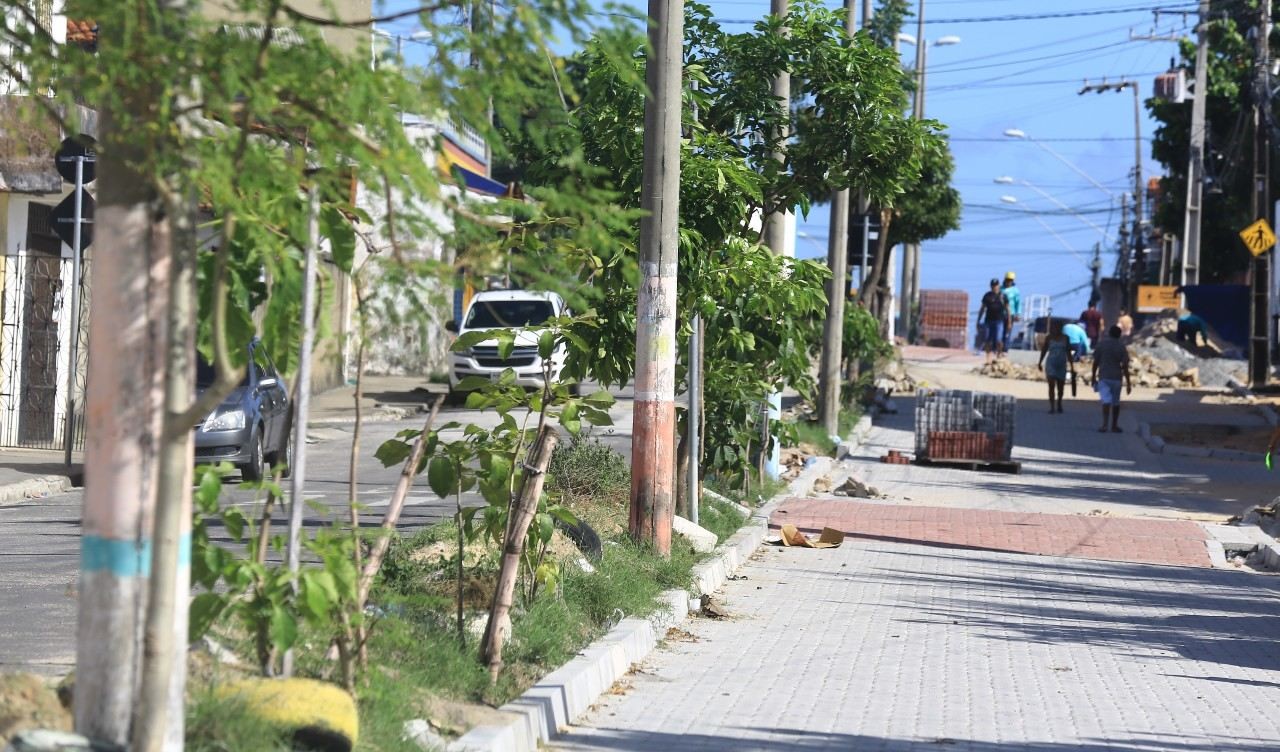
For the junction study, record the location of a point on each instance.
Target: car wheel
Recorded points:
(256, 468)
(284, 458)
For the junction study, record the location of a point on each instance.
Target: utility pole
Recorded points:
(1135, 236)
(829, 381)
(1259, 292)
(911, 251)
(1095, 266)
(776, 223)
(1190, 274)
(653, 453)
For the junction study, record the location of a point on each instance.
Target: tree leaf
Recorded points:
(341, 235)
(393, 452)
(442, 476)
(203, 612)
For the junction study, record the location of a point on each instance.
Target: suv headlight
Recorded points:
(230, 420)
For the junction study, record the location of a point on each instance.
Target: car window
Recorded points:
(261, 365)
(489, 314)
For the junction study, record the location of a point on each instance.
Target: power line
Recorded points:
(1062, 139)
(989, 83)
(1020, 16)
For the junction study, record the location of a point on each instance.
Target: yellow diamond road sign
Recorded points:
(1258, 237)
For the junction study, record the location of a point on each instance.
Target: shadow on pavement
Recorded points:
(793, 740)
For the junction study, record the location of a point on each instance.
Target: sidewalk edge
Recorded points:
(564, 695)
(34, 488)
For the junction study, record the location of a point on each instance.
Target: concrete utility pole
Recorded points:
(829, 381)
(1259, 282)
(1190, 274)
(775, 231)
(911, 251)
(653, 454)
(1135, 237)
(124, 409)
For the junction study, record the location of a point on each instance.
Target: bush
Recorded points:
(585, 469)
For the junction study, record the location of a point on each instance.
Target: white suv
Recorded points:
(507, 309)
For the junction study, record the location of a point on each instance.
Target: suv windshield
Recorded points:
(491, 314)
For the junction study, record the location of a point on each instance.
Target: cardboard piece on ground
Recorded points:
(791, 536)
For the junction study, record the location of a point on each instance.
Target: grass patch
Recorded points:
(220, 724)
(719, 518)
(757, 494)
(415, 654)
(810, 431)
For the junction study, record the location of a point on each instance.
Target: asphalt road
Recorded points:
(40, 538)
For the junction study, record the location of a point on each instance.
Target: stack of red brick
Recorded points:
(966, 445)
(894, 457)
(944, 317)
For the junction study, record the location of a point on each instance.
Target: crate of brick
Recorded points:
(953, 424)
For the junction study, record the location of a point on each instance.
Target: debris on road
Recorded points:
(791, 536)
(895, 457)
(857, 489)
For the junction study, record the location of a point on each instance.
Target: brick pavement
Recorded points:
(890, 647)
(1067, 467)
(1176, 542)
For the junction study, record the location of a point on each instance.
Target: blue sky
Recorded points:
(1026, 74)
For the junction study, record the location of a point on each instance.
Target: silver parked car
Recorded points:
(250, 429)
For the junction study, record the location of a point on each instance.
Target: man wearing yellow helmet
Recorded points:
(1013, 299)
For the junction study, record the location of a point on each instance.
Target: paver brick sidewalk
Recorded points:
(881, 646)
(1112, 538)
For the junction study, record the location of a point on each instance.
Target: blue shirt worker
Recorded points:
(1078, 338)
(1013, 298)
(1189, 326)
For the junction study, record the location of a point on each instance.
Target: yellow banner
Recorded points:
(1156, 298)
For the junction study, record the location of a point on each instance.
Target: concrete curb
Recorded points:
(1158, 446)
(377, 415)
(855, 439)
(35, 488)
(568, 692)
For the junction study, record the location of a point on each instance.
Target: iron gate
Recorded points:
(34, 350)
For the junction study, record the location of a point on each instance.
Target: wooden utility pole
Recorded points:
(1190, 274)
(829, 381)
(653, 453)
(1260, 274)
(123, 407)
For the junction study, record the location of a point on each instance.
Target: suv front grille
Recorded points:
(487, 356)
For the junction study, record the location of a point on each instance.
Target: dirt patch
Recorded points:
(452, 718)
(1248, 438)
(27, 702)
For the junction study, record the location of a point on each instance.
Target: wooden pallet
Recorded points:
(1012, 467)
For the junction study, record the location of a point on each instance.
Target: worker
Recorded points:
(1013, 298)
(993, 319)
(1093, 322)
(1125, 322)
(1078, 338)
(1190, 325)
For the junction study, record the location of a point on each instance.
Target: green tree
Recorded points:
(1228, 150)
(930, 206)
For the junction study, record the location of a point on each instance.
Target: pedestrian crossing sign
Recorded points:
(1258, 237)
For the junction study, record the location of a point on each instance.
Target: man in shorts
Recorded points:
(993, 317)
(1110, 366)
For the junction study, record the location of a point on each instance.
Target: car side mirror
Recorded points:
(269, 381)
(451, 326)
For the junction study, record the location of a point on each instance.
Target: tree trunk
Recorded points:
(872, 281)
(161, 708)
(513, 548)
(124, 406)
(407, 474)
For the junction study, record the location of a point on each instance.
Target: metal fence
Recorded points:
(35, 350)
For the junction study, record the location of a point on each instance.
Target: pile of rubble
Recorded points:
(892, 376)
(1007, 369)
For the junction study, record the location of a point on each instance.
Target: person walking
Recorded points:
(993, 318)
(1055, 360)
(1093, 323)
(1013, 299)
(1110, 366)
